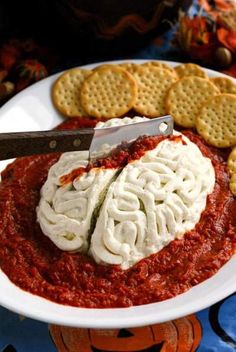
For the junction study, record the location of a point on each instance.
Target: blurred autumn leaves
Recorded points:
(210, 36)
(20, 66)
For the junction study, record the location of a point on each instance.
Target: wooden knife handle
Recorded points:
(19, 144)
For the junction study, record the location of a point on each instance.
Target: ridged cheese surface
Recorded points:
(120, 218)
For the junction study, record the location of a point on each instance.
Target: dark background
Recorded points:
(85, 28)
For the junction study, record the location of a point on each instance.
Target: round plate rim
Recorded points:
(36, 307)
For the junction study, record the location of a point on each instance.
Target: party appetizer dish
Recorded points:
(146, 223)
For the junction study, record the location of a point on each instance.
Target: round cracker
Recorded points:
(108, 92)
(185, 98)
(216, 122)
(231, 162)
(185, 70)
(153, 83)
(224, 84)
(128, 66)
(232, 184)
(66, 92)
(158, 64)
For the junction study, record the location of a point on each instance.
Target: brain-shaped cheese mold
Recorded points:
(122, 217)
(65, 210)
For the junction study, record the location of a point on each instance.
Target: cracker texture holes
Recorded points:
(153, 84)
(66, 92)
(231, 162)
(216, 122)
(186, 97)
(108, 92)
(128, 66)
(224, 84)
(159, 65)
(190, 69)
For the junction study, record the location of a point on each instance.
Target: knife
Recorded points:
(18, 144)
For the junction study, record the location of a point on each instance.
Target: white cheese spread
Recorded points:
(66, 211)
(153, 201)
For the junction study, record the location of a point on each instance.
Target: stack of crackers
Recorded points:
(154, 89)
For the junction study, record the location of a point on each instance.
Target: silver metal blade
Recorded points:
(106, 139)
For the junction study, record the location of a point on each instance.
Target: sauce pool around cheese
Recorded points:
(119, 216)
(35, 264)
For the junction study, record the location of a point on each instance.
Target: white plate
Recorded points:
(30, 110)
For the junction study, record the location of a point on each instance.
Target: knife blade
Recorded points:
(18, 144)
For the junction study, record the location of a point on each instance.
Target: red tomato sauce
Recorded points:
(121, 156)
(35, 264)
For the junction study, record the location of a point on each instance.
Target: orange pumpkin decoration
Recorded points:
(178, 335)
